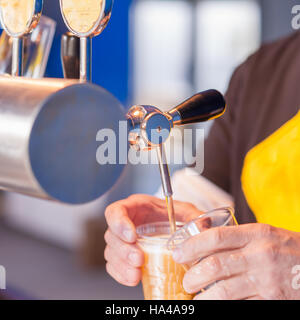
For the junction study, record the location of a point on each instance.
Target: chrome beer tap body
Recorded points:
(150, 128)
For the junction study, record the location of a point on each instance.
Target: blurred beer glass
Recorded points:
(5, 52)
(37, 47)
(161, 277)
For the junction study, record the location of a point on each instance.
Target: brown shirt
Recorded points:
(263, 94)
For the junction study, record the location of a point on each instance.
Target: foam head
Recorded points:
(162, 277)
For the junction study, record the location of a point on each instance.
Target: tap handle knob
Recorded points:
(201, 107)
(70, 55)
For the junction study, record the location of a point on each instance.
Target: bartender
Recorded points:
(252, 153)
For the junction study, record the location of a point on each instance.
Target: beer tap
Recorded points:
(48, 142)
(18, 19)
(150, 128)
(86, 19)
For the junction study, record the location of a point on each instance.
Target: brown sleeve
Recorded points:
(218, 148)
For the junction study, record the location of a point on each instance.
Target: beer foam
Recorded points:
(161, 277)
(155, 244)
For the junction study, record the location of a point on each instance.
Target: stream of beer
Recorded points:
(171, 213)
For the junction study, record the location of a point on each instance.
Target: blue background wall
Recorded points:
(110, 49)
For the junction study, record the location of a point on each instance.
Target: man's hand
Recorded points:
(253, 261)
(123, 256)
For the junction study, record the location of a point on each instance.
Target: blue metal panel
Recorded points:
(110, 49)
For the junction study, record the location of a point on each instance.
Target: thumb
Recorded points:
(119, 222)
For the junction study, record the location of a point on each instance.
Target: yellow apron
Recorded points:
(271, 177)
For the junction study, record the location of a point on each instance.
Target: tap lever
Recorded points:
(70, 55)
(201, 107)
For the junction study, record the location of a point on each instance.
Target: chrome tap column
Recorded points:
(48, 144)
(86, 19)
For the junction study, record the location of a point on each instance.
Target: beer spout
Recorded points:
(150, 128)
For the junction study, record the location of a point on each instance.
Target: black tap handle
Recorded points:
(70, 55)
(201, 107)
